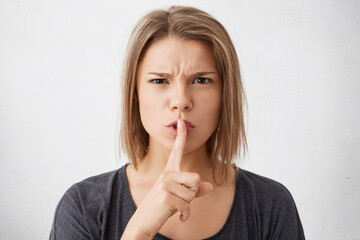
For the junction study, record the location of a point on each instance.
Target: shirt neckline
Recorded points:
(133, 206)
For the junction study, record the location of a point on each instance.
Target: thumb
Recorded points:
(204, 188)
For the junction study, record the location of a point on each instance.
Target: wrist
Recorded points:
(134, 231)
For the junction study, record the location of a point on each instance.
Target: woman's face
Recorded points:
(179, 79)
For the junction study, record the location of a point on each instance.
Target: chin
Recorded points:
(189, 147)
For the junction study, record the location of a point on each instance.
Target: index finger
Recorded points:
(174, 161)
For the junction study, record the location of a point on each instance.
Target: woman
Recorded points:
(182, 128)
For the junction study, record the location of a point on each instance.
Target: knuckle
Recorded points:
(183, 206)
(162, 186)
(196, 178)
(187, 211)
(193, 195)
(165, 199)
(190, 196)
(163, 176)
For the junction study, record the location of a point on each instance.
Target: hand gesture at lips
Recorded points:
(172, 192)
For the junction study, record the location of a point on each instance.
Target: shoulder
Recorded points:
(263, 188)
(96, 183)
(271, 204)
(84, 206)
(93, 189)
(96, 190)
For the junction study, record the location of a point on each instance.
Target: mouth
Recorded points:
(173, 127)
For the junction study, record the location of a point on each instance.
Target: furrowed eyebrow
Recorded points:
(160, 74)
(199, 74)
(167, 75)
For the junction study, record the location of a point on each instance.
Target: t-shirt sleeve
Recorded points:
(286, 223)
(69, 222)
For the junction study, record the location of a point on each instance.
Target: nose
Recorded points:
(180, 99)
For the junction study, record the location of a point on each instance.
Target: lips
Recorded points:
(173, 127)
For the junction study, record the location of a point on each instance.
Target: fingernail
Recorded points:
(178, 124)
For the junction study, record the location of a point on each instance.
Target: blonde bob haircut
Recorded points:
(229, 140)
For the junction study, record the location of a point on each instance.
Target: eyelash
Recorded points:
(208, 80)
(157, 81)
(162, 80)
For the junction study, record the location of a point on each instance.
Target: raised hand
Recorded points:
(173, 191)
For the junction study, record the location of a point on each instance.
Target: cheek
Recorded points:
(210, 105)
(147, 110)
(150, 106)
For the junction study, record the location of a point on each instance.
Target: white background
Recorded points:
(60, 63)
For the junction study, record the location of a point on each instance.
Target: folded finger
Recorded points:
(179, 191)
(188, 179)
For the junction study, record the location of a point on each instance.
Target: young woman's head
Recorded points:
(181, 63)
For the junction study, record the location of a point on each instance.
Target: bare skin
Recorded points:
(210, 205)
(173, 186)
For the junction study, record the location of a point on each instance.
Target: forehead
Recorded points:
(175, 54)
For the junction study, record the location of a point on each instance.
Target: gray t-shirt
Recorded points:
(100, 207)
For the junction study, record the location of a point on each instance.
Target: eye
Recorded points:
(201, 80)
(158, 81)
